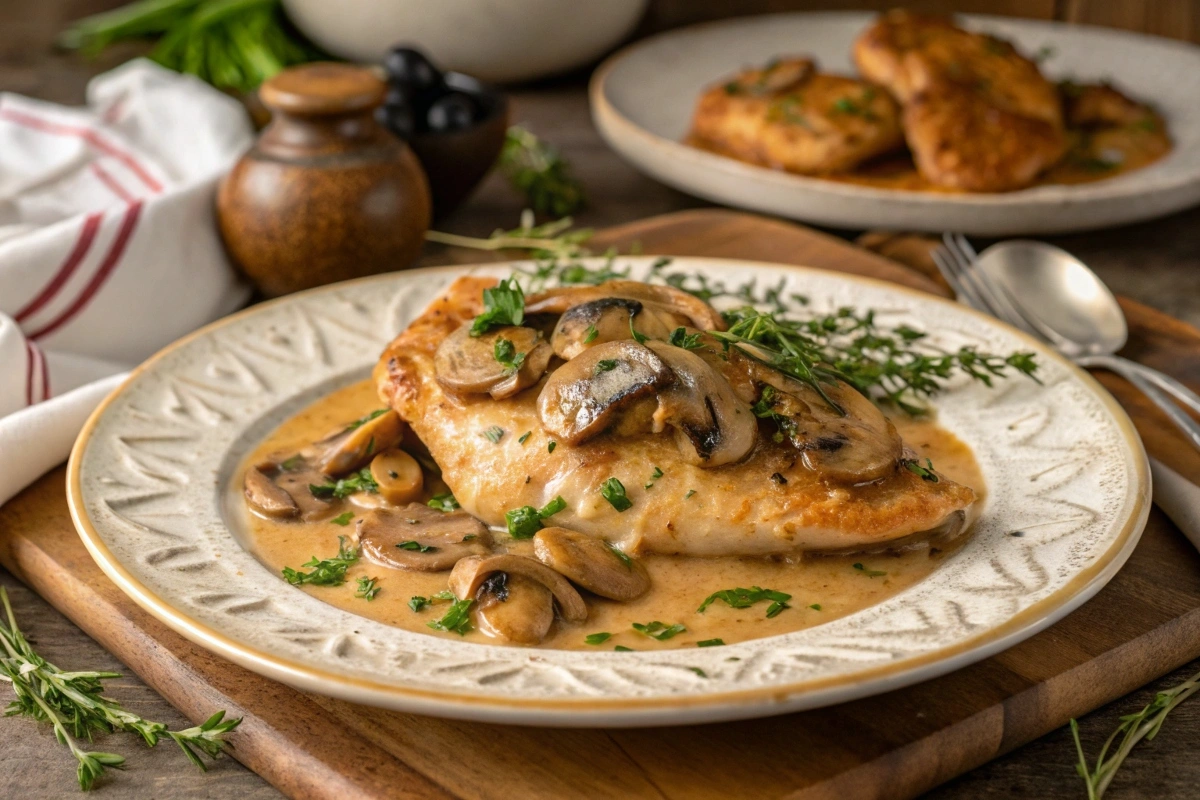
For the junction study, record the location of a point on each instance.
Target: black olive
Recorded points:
(411, 68)
(396, 118)
(453, 111)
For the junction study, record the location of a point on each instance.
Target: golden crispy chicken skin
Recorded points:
(702, 474)
(791, 117)
(978, 116)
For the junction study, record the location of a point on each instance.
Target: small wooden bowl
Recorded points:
(457, 161)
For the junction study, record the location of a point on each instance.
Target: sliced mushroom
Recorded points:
(398, 475)
(472, 571)
(530, 372)
(421, 538)
(296, 483)
(583, 396)
(352, 448)
(713, 425)
(515, 608)
(608, 319)
(268, 497)
(594, 564)
(466, 363)
(677, 301)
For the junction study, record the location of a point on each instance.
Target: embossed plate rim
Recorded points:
(629, 710)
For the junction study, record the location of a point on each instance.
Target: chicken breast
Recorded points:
(978, 116)
(789, 116)
(699, 472)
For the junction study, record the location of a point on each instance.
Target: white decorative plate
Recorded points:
(642, 100)
(147, 491)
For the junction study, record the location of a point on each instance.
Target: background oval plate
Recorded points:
(642, 99)
(148, 478)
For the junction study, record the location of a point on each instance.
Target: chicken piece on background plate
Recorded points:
(789, 116)
(978, 116)
(743, 459)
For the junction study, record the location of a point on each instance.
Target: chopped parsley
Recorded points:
(456, 620)
(711, 643)
(658, 630)
(505, 353)
(606, 365)
(417, 547)
(591, 334)
(503, 304)
(688, 341)
(744, 598)
(815, 606)
(524, 437)
(550, 447)
(343, 519)
(699, 672)
(614, 492)
(367, 588)
(640, 338)
(358, 423)
(360, 481)
(870, 573)
(525, 521)
(444, 502)
(597, 638)
(418, 603)
(291, 464)
(623, 649)
(926, 473)
(494, 434)
(325, 572)
(690, 492)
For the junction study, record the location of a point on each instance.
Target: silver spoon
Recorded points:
(1067, 304)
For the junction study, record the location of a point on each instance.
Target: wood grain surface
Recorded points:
(1144, 624)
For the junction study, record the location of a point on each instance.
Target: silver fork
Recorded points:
(956, 260)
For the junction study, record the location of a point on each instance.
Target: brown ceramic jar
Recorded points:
(325, 194)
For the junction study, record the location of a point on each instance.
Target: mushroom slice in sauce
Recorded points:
(421, 538)
(676, 301)
(466, 363)
(267, 497)
(713, 425)
(398, 476)
(353, 448)
(608, 320)
(530, 372)
(591, 563)
(471, 572)
(514, 608)
(584, 396)
(297, 482)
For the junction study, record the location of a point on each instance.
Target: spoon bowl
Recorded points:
(1059, 293)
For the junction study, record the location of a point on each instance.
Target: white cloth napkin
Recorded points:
(108, 246)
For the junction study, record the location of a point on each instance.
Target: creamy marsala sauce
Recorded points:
(823, 588)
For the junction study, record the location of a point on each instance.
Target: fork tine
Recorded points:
(949, 269)
(997, 298)
(962, 268)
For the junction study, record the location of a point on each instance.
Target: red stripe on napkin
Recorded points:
(30, 360)
(45, 372)
(111, 260)
(111, 184)
(88, 135)
(74, 258)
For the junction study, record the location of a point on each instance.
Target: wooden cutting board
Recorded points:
(1145, 623)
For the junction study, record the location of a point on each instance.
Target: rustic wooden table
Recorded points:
(1154, 262)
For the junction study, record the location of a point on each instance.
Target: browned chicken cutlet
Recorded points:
(789, 116)
(978, 116)
(608, 407)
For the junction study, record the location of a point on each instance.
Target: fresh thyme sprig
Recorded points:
(1135, 727)
(536, 169)
(75, 706)
(550, 240)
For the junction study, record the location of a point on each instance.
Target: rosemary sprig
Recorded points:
(536, 169)
(1145, 724)
(75, 706)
